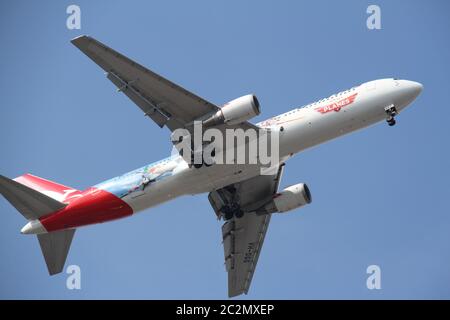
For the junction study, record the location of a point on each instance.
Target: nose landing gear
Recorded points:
(391, 121)
(391, 112)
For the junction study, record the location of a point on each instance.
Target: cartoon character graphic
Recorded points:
(137, 181)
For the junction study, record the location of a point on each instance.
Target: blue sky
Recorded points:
(380, 196)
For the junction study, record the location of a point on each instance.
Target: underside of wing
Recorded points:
(242, 240)
(243, 233)
(162, 100)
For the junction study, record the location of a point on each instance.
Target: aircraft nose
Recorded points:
(412, 88)
(407, 91)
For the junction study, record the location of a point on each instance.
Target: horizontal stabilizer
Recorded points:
(55, 246)
(30, 203)
(52, 189)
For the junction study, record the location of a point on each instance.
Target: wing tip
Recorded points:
(80, 40)
(236, 294)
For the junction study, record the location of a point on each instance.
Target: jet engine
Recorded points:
(292, 197)
(235, 111)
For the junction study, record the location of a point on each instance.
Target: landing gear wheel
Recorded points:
(204, 163)
(239, 214)
(227, 212)
(391, 122)
(207, 164)
(228, 215)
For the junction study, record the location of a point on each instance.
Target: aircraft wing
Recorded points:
(243, 237)
(160, 99)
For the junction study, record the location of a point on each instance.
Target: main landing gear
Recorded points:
(391, 112)
(203, 163)
(231, 211)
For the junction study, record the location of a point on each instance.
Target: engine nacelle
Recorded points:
(292, 197)
(235, 111)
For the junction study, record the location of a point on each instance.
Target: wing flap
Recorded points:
(143, 102)
(243, 240)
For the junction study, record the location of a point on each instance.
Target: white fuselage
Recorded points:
(299, 129)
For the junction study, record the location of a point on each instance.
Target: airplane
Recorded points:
(240, 194)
